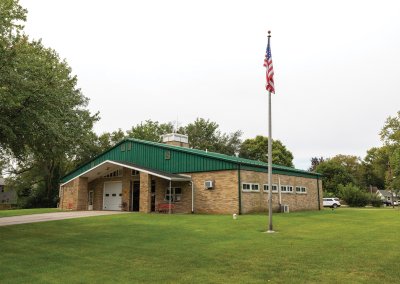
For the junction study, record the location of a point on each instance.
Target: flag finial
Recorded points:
(269, 33)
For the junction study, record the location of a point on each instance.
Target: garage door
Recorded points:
(112, 196)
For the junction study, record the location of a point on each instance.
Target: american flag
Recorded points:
(270, 70)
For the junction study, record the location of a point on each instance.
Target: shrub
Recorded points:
(376, 201)
(353, 195)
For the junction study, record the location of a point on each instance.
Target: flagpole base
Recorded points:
(270, 232)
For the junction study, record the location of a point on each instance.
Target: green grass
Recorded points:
(19, 212)
(341, 246)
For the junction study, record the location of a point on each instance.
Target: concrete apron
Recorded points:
(44, 217)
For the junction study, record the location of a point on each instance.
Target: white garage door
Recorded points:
(112, 196)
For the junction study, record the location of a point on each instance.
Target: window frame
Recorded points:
(287, 188)
(176, 197)
(273, 185)
(117, 172)
(301, 189)
(251, 184)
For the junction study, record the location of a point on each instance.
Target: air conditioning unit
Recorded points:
(285, 208)
(208, 184)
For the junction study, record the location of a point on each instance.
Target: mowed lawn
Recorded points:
(19, 212)
(341, 246)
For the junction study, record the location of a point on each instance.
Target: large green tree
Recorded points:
(44, 121)
(374, 166)
(205, 135)
(334, 174)
(257, 149)
(390, 135)
(150, 130)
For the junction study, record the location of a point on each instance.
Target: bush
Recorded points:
(353, 195)
(376, 201)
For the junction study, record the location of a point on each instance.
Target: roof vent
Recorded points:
(176, 139)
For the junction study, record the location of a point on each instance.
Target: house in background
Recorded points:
(8, 197)
(386, 196)
(144, 176)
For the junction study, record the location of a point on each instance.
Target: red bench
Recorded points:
(165, 208)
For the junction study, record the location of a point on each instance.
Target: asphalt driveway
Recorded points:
(44, 217)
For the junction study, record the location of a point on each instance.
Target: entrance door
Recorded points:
(153, 196)
(112, 197)
(135, 195)
(90, 200)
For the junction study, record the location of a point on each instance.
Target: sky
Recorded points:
(336, 63)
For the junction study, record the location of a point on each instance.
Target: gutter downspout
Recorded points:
(240, 192)
(319, 201)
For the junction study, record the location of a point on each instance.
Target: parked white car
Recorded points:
(331, 202)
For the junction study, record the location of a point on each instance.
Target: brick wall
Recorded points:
(73, 195)
(258, 201)
(223, 198)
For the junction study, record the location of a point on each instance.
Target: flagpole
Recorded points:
(270, 227)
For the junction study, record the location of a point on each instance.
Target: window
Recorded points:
(250, 187)
(246, 186)
(175, 195)
(122, 147)
(135, 172)
(274, 188)
(117, 173)
(286, 188)
(301, 189)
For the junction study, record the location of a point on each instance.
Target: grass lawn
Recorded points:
(19, 212)
(341, 246)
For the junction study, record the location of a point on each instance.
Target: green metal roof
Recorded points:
(175, 159)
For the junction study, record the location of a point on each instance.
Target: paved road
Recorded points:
(34, 218)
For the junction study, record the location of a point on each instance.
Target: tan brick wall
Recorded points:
(223, 198)
(74, 194)
(258, 201)
(82, 203)
(69, 195)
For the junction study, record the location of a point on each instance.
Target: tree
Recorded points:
(390, 135)
(150, 130)
(353, 195)
(334, 174)
(315, 161)
(374, 167)
(353, 165)
(43, 117)
(205, 135)
(257, 149)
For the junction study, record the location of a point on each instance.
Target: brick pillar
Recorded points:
(126, 183)
(145, 190)
(82, 198)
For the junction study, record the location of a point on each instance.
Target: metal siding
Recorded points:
(152, 155)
